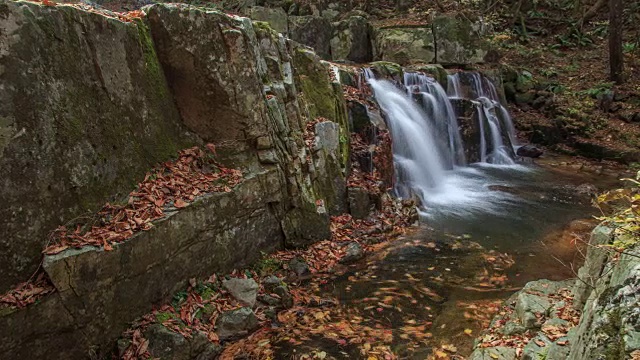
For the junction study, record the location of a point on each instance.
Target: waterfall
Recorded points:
(419, 161)
(494, 121)
(428, 149)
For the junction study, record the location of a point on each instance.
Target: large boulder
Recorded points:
(405, 45)
(352, 40)
(275, 17)
(459, 40)
(313, 31)
(85, 111)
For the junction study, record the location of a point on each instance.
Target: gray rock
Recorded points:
(460, 40)
(533, 351)
(327, 136)
(236, 323)
(271, 282)
(494, 353)
(529, 151)
(244, 290)
(313, 31)
(353, 253)
(166, 344)
(405, 45)
(352, 40)
(276, 17)
(268, 156)
(512, 328)
(269, 300)
(299, 267)
(531, 309)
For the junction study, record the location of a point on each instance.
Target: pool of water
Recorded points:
(435, 289)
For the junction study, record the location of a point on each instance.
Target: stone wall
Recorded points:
(81, 133)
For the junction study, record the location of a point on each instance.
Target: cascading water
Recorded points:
(429, 154)
(493, 116)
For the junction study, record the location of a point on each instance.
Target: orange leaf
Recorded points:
(179, 203)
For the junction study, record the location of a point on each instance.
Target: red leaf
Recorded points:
(179, 203)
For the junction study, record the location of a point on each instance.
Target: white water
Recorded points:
(493, 115)
(428, 149)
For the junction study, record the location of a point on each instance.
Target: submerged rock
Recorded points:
(244, 290)
(529, 151)
(236, 323)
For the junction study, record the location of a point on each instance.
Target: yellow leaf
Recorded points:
(468, 331)
(493, 356)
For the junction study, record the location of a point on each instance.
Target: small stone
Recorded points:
(529, 151)
(299, 266)
(269, 300)
(236, 323)
(244, 290)
(353, 253)
(528, 305)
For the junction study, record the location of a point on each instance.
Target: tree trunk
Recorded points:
(616, 59)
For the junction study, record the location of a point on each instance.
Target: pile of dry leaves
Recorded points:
(27, 293)
(169, 187)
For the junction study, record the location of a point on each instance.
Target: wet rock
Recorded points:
(353, 253)
(586, 190)
(244, 290)
(359, 202)
(529, 151)
(236, 323)
(299, 267)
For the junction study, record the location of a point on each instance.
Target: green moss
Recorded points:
(154, 72)
(164, 316)
(387, 68)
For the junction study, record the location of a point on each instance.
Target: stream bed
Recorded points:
(430, 293)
